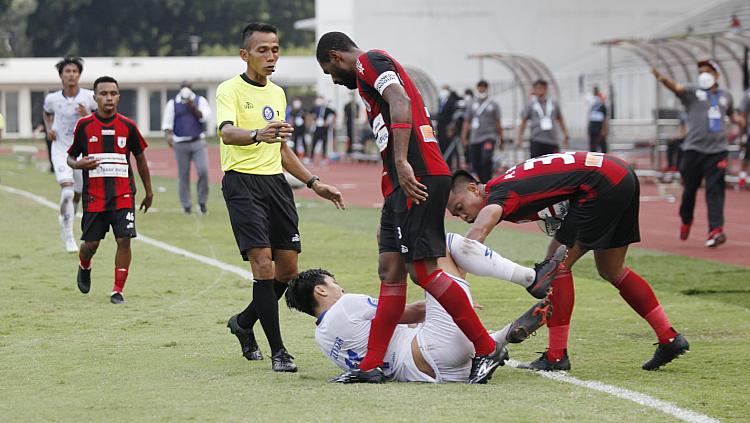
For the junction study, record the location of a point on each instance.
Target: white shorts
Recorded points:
(63, 172)
(445, 348)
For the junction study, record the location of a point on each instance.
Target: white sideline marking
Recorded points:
(627, 394)
(622, 393)
(145, 239)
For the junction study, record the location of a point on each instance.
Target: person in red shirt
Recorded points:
(106, 139)
(415, 184)
(603, 195)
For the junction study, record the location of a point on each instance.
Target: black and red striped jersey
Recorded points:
(543, 181)
(376, 70)
(111, 186)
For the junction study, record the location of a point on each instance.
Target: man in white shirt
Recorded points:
(62, 109)
(427, 346)
(184, 126)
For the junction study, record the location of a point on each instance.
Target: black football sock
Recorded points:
(267, 307)
(249, 316)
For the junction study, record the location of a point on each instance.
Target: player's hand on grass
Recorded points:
(87, 163)
(413, 189)
(329, 192)
(147, 200)
(275, 132)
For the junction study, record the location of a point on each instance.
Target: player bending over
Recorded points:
(436, 350)
(603, 194)
(105, 139)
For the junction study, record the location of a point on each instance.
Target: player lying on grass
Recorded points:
(603, 194)
(435, 350)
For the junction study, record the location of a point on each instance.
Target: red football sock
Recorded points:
(121, 275)
(391, 305)
(639, 295)
(454, 300)
(85, 264)
(562, 299)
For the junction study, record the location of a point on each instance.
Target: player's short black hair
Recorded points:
(333, 41)
(69, 60)
(102, 79)
(300, 291)
(248, 30)
(461, 176)
(541, 82)
(483, 83)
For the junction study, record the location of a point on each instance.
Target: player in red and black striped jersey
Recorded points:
(106, 139)
(603, 195)
(415, 184)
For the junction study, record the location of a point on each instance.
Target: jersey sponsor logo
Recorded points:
(594, 159)
(337, 344)
(384, 80)
(113, 165)
(247, 105)
(108, 131)
(428, 135)
(93, 139)
(380, 131)
(268, 113)
(360, 68)
(121, 141)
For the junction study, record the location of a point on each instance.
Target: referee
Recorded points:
(254, 152)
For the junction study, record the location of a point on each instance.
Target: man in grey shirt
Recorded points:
(545, 116)
(483, 117)
(183, 123)
(705, 146)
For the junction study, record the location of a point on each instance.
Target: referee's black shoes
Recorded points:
(84, 280)
(250, 349)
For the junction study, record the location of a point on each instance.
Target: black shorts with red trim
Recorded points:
(94, 225)
(262, 211)
(609, 220)
(417, 231)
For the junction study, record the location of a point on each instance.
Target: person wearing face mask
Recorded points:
(705, 146)
(323, 117)
(184, 125)
(483, 116)
(447, 105)
(545, 117)
(296, 117)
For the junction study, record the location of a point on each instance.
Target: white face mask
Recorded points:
(482, 96)
(186, 92)
(296, 104)
(706, 80)
(318, 102)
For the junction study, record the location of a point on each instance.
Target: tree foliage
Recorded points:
(157, 27)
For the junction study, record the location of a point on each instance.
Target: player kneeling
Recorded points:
(434, 351)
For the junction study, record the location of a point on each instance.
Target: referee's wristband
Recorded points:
(312, 180)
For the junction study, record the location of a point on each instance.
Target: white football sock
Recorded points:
(67, 211)
(478, 259)
(500, 335)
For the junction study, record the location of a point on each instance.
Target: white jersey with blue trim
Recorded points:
(66, 113)
(342, 333)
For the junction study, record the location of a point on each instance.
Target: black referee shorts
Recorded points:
(262, 211)
(417, 231)
(609, 220)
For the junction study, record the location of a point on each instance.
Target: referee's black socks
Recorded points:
(265, 307)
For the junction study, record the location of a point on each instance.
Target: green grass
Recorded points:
(167, 355)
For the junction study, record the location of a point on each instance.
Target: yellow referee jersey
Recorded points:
(249, 106)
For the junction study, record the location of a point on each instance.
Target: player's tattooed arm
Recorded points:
(485, 222)
(399, 105)
(143, 171)
(413, 313)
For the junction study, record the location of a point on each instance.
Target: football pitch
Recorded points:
(167, 355)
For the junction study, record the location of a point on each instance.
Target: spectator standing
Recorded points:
(545, 116)
(351, 112)
(483, 116)
(323, 117)
(705, 146)
(296, 118)
(598, 123)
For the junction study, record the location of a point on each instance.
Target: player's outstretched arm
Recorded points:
(485, 222)
(291, 163)
(399, 105)
(145, 174)
(413, 313)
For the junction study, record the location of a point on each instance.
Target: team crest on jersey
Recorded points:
(121, 141)
(360, 68)
(93, 139)
(268, 113)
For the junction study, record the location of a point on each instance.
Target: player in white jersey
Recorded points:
(62, 109)
(427, 346)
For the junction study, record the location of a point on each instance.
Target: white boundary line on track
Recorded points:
(622, 393)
